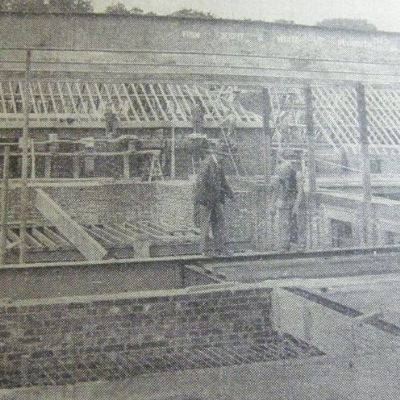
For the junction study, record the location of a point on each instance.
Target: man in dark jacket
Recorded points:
(210, 192)
(197, 118)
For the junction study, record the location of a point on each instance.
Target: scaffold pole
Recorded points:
(4, 205)
(173, 152)
(267, 136)
(24, 166)
(366, 171)
(312, 180)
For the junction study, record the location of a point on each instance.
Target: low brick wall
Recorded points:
(73, 329)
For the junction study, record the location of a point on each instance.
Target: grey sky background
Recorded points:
(385, 14)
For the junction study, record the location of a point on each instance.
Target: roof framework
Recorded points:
(336, 117)
(135, 103)
(159, 104)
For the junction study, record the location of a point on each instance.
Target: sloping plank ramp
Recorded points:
(88, 247)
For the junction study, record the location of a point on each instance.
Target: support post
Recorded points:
(173, 152)
(24, 167)
(366, 171)
(89, 158)
(263, 203)
(4, 205)
(51, 148)
(312, 180)
(76, 166)
(267, 135)
(33, 161)
(126, 158)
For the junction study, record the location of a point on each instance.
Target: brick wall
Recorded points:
(96, 204)
(170, 202)
(74, 328)
(175, 201)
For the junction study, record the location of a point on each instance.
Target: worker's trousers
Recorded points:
(212, 217)
(290, 228)
(283, 228)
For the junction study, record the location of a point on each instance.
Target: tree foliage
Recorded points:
(117, 8)
(43, 6)
(190, 13)
(348, 23)
(120, 8)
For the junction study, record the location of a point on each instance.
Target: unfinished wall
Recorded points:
(168, 202)
(83, 331)
(96, 204)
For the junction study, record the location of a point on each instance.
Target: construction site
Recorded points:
(105, 290)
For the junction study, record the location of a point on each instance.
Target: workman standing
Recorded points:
(111, 120)
(211, 191)
(197, 118)
(300, 210)
(284, 184)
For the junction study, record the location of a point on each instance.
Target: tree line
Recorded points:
(119, 8)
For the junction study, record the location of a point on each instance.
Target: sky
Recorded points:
(384, 14)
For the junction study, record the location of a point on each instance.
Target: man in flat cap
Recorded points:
(211, 191)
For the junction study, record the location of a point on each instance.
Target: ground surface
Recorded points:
(370, 378)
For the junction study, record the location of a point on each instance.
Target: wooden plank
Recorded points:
(343, 135)
(128, 234)
(141, 244)
(53, 100)
(151, 229)
(87, 246)
(106, 235)
(13, 103)
(42, 97)
(139, 101)
(3, 102)
(100, 96)
(33, 242)
(149, 102)
(168, 100)
(31, 95)
(56, 238)
(94, 109)
(84, 108)
(71, 96)
(136, 229)
(99, 236)
(123, 235)
(13, 237)
(184, 102)
(44, 239)
(372, 97)
(61, 94)
(164, 115)
(136, 115)
(204, 104)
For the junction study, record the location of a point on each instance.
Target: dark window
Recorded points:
(342, 233)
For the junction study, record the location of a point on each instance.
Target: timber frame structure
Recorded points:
(305, 101)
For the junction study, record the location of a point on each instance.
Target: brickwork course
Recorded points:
(104, 338)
